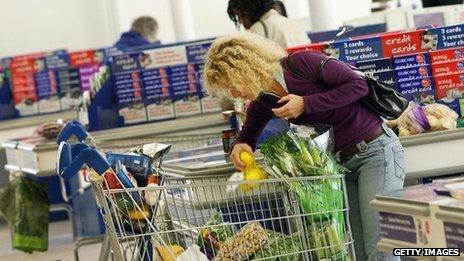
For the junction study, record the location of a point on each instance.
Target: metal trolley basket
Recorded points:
(186, 215)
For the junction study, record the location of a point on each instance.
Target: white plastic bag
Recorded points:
(192, 253)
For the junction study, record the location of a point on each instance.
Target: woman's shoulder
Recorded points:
(307, 57)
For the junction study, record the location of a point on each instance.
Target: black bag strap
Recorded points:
(266, 34)
(300, 74)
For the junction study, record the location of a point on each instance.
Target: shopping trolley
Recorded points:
(209, 217)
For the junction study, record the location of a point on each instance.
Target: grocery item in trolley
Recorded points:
(251, 238)
(290, 155)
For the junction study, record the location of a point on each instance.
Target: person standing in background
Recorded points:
(143, 31)
(280, 8)
(260, 17)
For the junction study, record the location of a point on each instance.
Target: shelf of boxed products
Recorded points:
(417, 217)
(37, 155)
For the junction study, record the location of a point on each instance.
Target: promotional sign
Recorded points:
(397, 227)
(456, 105)
(419, 91)
(450, 86)
(318, 47)
(413, 73)
(23, 85)
(374, 66)
(412, 60)
(128, 88)
(454, 234)
(443, 37)
(184, 90)
(46, 86)
(402, 43)
(447, 55)
(87, 62)
(353, 51)
(440, 69)
(195, 57)
(156, 94)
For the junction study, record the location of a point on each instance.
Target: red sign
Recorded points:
(447, 55)
(402, 43)
(449, 86)
(439, 69)
(307, 47)
(85, 58)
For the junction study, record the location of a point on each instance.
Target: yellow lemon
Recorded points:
(246, 157)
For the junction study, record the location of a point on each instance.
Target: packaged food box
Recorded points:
(439, 69)
(450, 86)
(374, 66)
(409, 61)
(419, 91)
(413, 73)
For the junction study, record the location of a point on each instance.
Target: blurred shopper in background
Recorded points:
(143, 31)
(280, 8)
(262, 18)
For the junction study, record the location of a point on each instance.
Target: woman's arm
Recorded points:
(347, 85)
(258, 115)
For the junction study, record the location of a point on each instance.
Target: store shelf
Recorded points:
(36, 120)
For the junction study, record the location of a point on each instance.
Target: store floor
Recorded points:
(60, 246)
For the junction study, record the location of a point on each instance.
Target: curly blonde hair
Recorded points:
(243, 61)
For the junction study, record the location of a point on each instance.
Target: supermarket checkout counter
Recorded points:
(417, 217)
(22, 127)
(37, 156)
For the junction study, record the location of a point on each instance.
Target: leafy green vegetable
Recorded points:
(213, 234)
(322, 200)
(286, 247)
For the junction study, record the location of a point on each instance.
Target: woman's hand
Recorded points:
(293, 108)
(235, 155)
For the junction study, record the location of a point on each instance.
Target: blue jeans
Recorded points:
(376, 169)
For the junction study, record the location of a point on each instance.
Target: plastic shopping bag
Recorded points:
(30, 221)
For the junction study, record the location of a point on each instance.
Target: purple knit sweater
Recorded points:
(336, 101)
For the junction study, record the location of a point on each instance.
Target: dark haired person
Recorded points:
(280, 8)
(143, 32)
(260, 17)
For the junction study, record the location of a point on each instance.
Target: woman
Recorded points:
(260, 17)
(244, 65)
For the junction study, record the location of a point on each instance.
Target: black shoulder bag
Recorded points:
(383, 98)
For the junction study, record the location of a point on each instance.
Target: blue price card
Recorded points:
(412, 60)
(413, 73)
(356, 50)
(443, 37)
(57, 60)
(126, 63)
(454, 233)
(196, 52)
(419, 91)
(374, 66)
